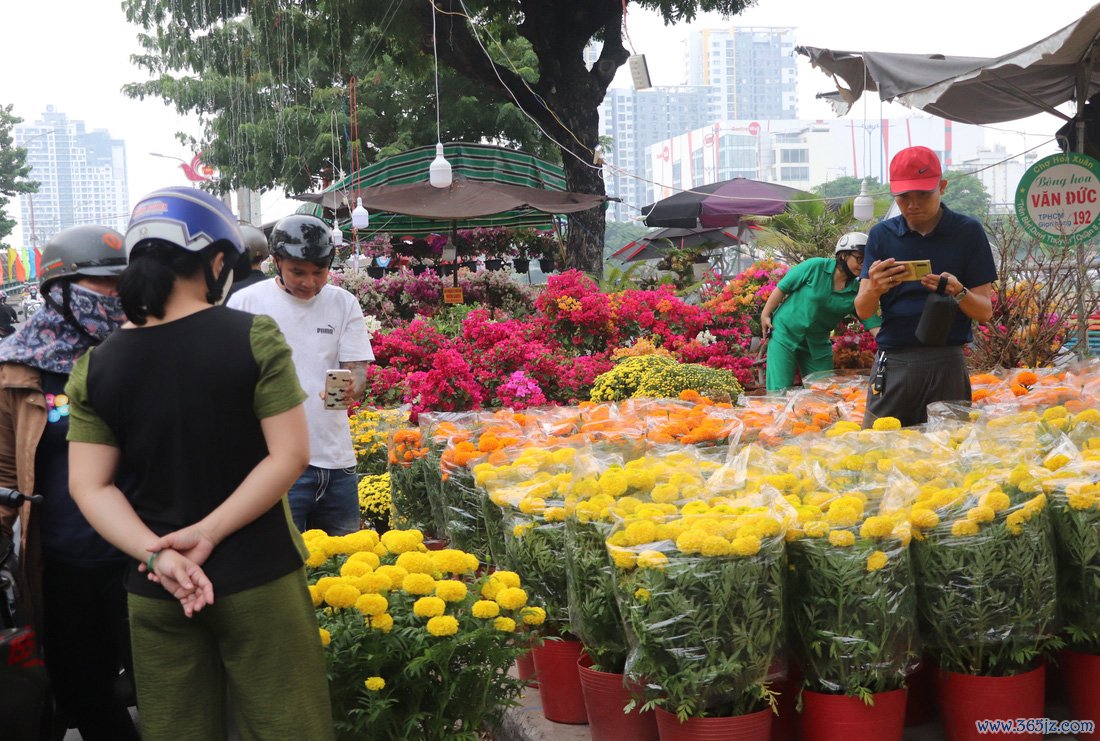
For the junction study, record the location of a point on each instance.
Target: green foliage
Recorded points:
(1077, 528)
(807, 228)
(593, 611)
(535, 548)
(966, 194)
(846, 187)
(13, 169)
(618, 234)
(616, 280)
(854, 629)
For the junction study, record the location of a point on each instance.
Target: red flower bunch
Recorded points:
(743, 298)
(520, 392)
(577, 311)
(448, 386)
(659, 312)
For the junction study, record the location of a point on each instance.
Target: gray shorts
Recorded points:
(904, 382)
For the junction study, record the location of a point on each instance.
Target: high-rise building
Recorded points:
(635, 119)
(81, 176)
(750, 70)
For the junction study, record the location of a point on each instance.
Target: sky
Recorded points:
(74, 54)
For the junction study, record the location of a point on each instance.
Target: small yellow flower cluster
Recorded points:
(369, 429)
(622, 381)
(374, 497)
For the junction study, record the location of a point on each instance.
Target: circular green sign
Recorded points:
(1058, 199)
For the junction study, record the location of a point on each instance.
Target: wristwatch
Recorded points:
(961, 295)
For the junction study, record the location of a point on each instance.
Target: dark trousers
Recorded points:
(904, 382)
(86, 643)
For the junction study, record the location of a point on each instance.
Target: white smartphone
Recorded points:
(337, 388)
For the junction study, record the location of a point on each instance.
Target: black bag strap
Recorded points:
(941, 288)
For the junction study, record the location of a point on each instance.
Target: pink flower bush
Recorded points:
(520, 392)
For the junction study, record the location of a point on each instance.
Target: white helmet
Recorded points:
(851, 242)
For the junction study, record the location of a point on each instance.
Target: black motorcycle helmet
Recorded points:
(92, 251)
(303, 237)
(255, 242)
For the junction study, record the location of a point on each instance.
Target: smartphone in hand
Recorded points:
(917, 269)
(337, 388)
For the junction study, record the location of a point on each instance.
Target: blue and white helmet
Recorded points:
(188, 218)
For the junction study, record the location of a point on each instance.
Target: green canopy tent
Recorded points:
(493, 187)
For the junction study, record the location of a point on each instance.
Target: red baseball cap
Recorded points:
(915, 168)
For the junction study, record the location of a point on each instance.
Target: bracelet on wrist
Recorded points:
(151, 561)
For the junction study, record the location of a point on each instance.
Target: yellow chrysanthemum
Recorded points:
(372, 604)
(877, 560)
(484, 609)
(511, 598)
(316, 559)
(504, 624)
(429, 607)
(355, 568)
(418, 584)
(383, 622)
(842, 538)
(506, 578)
(341, 595)
(963, 528)
(886, 423)
(443, 625)
(374, 684)
(652, 560)
(533, 615)
(1081, 500)
(451, 590)
(623, 558)
(1015, 521)
(326, 637)
(746, 545)
(981, 514)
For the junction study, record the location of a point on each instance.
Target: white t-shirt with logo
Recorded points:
(322, 333)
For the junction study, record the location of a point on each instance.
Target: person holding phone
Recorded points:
(325, 328)
(202, 403)
(805, 307)
(907, 375)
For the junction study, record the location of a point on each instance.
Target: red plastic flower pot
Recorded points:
(560, 682)
(525, 667)
(1081, 674)
(605, 696)
(785, 721)
(967, 698)
(840, 717)
(751, 727)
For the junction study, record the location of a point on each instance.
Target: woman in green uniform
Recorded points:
(805, 307)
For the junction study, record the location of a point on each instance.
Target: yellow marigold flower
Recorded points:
(903, 531)
(886, 423)
(981, 514)
(842, 516)
(416, 562)
(316, 558)
(793, 534)
(504, 624)
(326, 637)
(315, 595)
(363, 540)
(963, 528)
(690, 541)
(511, 598)
(374, 583)
(484, 609)
(1035, 504)
(642, 595)
(429, 607)
(372, 604)
(374, 683)
(395, 574)
(1056, 461)
(533, 615)
(924, 519)
(715, 545)
(443, 625)
(451, 590)
(642, 531)
(746, 545)
(652, 560)
(623, 558)
(997, 500)
(816, 529)
(876, 526)
(341, 595)
(383, 622)
(842, 538)
(402, 541)
(876, 561)
(506, 578)
(355, 568)
(554, 514)
(1081, 500)
(418, 584)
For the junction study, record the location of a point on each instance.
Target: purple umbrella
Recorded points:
(721, 204)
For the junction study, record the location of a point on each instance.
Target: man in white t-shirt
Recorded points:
(324, 327)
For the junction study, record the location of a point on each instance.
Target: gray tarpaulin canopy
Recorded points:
(1062, 67)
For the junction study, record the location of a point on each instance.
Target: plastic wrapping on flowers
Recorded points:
(852, 598)
(984, 559)
(437, 430)
(370, 429)
(408, 490)
(692, 420)
(701, 594)
(417, 645)
(463, 508)
(1074, 498)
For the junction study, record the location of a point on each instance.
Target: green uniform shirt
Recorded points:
(812, 308)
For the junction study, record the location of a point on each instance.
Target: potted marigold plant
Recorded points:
(702, 600)
(409, 493)
(985, 566)
(417, 645)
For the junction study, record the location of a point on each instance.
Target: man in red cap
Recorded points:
(907, 374)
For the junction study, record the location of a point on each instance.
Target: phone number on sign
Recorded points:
(1044, 726)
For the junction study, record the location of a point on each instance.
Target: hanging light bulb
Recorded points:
(863, 208)
(360, 217)
(337, 236)
(439, 174)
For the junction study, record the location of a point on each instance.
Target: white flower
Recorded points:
(372, 324)
(705, 338)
